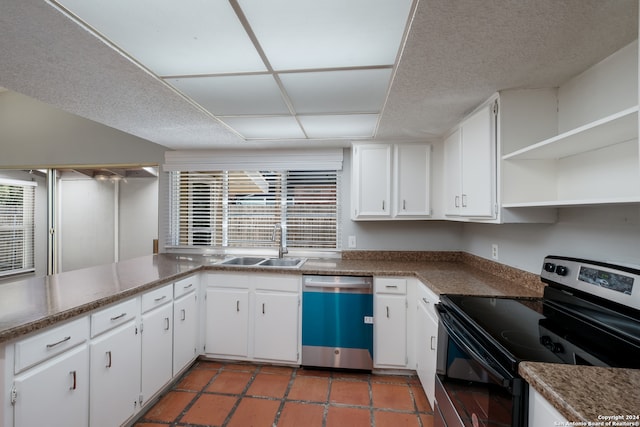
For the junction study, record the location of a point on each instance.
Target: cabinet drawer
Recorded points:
(269, 282)
(388, 285)
(44, 345)
(228, 280)
(157, 297)
(428, 298)
(113, 316)
(184, 286)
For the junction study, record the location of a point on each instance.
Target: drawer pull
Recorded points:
(238, 305)
(75, 383)
(183, 314)
(262, 308)
(166, 324)
(65, 339)
(120, 316)
(433, 343)
(160, 298)
(387, 312)
(391, 286)
(188, 286)
(109, 359)
(425, 300)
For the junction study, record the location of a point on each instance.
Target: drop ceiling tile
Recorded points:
(352, 91)
(340, 126)
(173, 37)
(282, 127)
(303, 34)
(254, 94)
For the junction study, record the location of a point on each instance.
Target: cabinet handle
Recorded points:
(65, 339)
(166, 325)
(262, 308)
(456, 202)
(188, 286)
(425, 300)
(387, 312)
(237, 305)
(391, 286)
(183, 314)
(433, 342)
(404, 205)
(464, 200)
(75, 383)
(109, 358)
(120, 316)
(383, 205)
(160, 298)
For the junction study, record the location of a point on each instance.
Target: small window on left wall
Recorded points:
(17, 206)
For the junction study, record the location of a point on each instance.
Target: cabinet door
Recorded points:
(157, 350)
(427, 339)
(115, 376)
(478, 164)
(227, 328)
(390, 330)
(276, 326)
(412, 180)
(371, 182)
(452, 173)
(185, 331)
(55, 393)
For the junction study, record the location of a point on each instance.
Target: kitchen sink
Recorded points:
(283, 262)
(243, 260)
(248, 261)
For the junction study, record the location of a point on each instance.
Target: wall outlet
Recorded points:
(352, 242)
(494, 251)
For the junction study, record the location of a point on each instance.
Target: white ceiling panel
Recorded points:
(339, 126)
(303, 34)
(251, 94)
(173, 37)
(352, 91)
(266, 127)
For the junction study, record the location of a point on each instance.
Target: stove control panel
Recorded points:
(613, 282)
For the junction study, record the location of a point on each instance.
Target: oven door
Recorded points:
(472, 388)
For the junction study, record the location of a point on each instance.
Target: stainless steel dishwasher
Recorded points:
(337, 322)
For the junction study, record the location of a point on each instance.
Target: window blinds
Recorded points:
(242, 208)
(17, 206)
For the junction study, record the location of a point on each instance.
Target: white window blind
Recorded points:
(241, 209)
(17, 205)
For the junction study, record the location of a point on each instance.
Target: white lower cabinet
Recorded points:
(115, 376)
(276, 323)
(54, 393)
(390, 323)
(542, 413)
(426, 340)
(157, 350)
(185, 331)
(227, 322)
(253, 317)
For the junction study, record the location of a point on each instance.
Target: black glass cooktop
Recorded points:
(530, 329)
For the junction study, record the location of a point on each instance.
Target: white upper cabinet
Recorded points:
(470, 167)
(390, 181)
(591, 157)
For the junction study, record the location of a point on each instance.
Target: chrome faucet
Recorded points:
(281, 249)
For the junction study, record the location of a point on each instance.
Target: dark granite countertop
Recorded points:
(586, 394)
(32, 304)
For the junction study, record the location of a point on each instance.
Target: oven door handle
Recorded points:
(470, 345)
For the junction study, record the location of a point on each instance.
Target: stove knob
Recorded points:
(561, 270)
(557, 348)
(545, 340)
(549, 267)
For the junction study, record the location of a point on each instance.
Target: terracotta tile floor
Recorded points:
(246, 395)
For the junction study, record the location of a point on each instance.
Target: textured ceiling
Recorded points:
(458, 52)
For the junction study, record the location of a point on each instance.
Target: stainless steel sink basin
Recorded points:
(243, 260)
(248, 261)
(283, 262)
